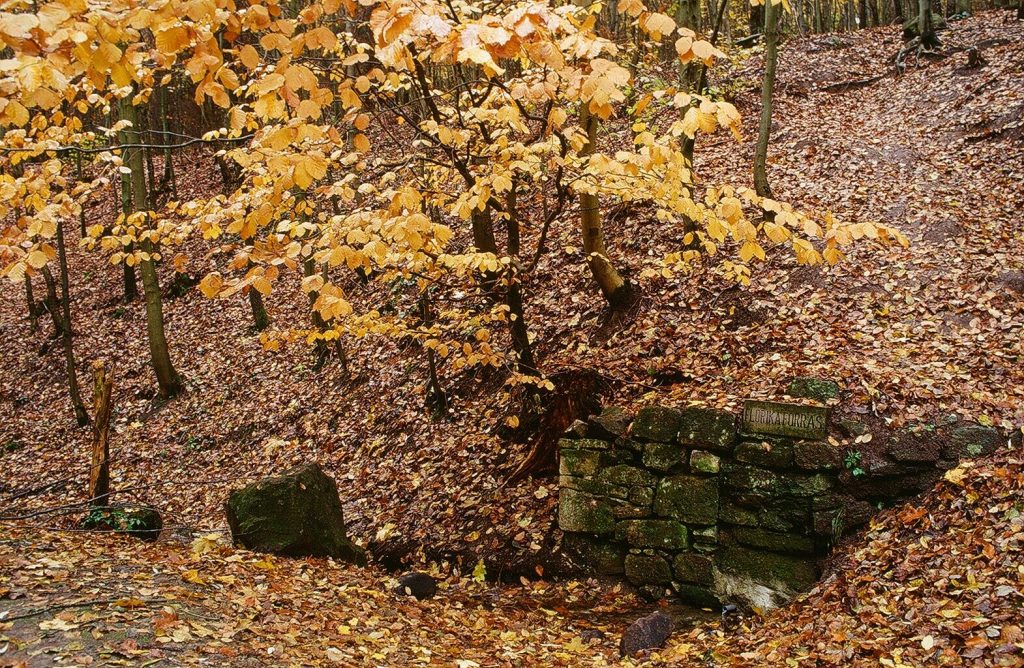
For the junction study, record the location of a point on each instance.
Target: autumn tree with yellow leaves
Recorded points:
(428, 146)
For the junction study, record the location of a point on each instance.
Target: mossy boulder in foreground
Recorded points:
(295, 514)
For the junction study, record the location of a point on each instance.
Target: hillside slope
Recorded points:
(911, 333)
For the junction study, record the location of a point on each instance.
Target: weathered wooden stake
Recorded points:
(99, 474)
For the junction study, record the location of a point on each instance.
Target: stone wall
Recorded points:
(713, 508)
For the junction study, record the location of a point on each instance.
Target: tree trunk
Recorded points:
(33, 314)
(771, 59)
(53, 303)
(81, 416)
(260, 319)
(131, 288)
(863, 14)
(167, 378)
(617, 291)
(99, 472)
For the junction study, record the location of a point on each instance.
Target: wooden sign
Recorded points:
(793, 420)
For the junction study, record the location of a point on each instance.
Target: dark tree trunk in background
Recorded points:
(771, 59)
(81, 416)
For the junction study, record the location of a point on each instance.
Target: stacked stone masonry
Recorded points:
(715, 508)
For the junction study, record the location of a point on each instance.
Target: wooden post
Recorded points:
(99, 474)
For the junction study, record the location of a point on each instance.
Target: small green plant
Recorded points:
(852, 462)
(13, 445)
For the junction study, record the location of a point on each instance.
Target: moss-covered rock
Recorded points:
(767, 452)
(971, 440)
(611, 423)
(772, 483)
(627, 476)
(693, 568)
(644, 569)
(660, 534)
(580, 462)
(702, 461)
(656, 423)
(295, 514)
(136, 521)
(773, 540)
(687, 498)
(708, 428)
(809, 387)
(663, 456)
(777, 571)
(817, 456)
(584, 513)
(583, 444)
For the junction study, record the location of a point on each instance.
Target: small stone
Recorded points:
(579, 511)
(419, 585)
(817, 455)
(694, 568)
(650, 632)
(773, 454)
(611, 423)
(663, 456)
(702, 461)
(578, 429)
(660, 534)
(704, 535)
(647, 569)
(708, 428)
(687, 498)
(809, 387)
(853, 428)
(656, 423)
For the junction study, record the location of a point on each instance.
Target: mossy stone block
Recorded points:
(817, 456)
(584, 513)
(687, 498)
(627, 476)
(708, 428)
(663, 456)
(595, 554)
(971, 440)
(778, 571)
(644, 569)
(580, 462)
(656, 423)
(767, 452)
(702, 461)
(773, 540)
(645, 533)
(693, 568)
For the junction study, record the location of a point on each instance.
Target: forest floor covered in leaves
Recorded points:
(937, 151)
